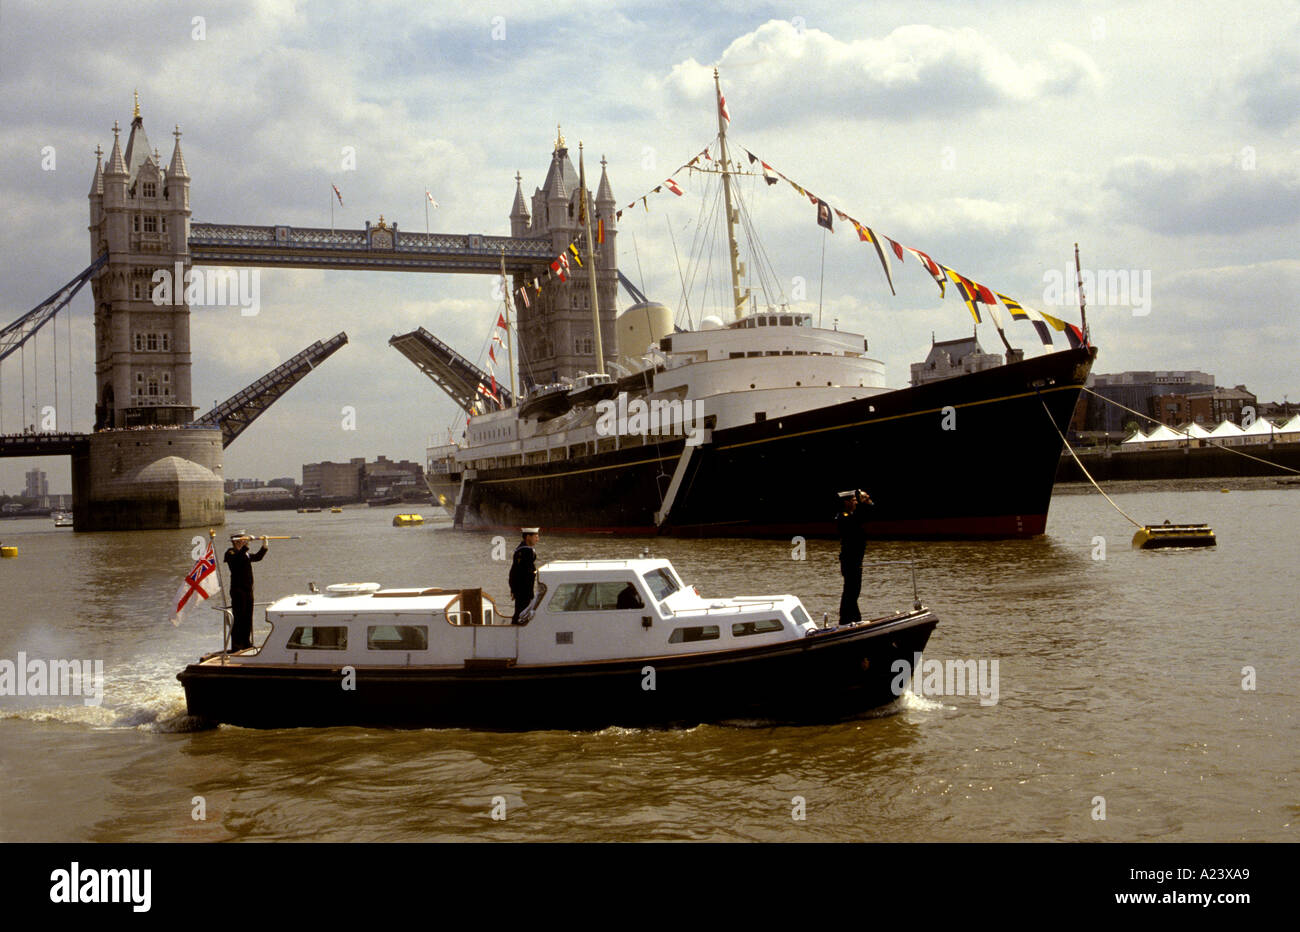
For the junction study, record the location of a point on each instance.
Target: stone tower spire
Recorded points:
(116, 166)
(177, 167)
(519, 213)
(605, 211)
(97, 182)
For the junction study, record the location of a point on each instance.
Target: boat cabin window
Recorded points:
(800, 616)
(661, 584)
(766, 626)
(593, 597)
(699, 633)
(397, 637)
(318, 637)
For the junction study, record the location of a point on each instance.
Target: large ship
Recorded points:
(751, 426)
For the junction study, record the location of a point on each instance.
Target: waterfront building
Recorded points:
(1138, 390)
(337, 481)
(37, 486)
(948, 358)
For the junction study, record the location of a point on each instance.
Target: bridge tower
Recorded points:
(140, 216)
(555, 328)
(143, 479)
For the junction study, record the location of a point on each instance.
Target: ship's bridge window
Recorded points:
(318, 637)
(397, 637)
(746, 628)
(786, 321)
(699, 633)
(590, 597)
(661, 583)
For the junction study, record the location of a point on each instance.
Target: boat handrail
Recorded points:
(749, 602)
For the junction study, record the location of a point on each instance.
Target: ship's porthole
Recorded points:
(796, 383)
(751, 384)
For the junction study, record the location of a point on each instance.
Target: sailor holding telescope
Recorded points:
(241, 563)
(850, 523)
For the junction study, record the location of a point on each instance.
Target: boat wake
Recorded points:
(911, 702)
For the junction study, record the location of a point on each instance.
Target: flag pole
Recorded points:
(510, 347)
(331, 197)
(1083, 311)
(426, 212)
(585, 210)
(221, 584)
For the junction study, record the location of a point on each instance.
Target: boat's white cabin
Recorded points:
(582, 611)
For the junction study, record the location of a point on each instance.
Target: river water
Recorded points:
(1157, 689)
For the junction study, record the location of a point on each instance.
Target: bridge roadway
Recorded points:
(42, 443)
(384, 248)
(65, 443)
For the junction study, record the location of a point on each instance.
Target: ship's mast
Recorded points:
(737, 298)
(585, 210)
(510, 346)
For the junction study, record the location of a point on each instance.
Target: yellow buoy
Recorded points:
(1154, 536)
(8, 552)
(407, 520)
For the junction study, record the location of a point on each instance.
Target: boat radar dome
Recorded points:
(711, 323)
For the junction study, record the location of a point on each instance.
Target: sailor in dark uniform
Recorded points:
(850, 523)
(241, 563)
(523, 571)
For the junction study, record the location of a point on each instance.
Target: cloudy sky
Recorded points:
(1163, 137)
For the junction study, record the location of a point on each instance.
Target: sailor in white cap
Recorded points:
(853, 545)
(523, 571)
(241, 563)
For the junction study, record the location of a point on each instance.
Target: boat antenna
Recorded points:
(584, 210)
(510, 352)
(1083, 311)
(738, 298)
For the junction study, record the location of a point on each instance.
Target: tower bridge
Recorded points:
(139, 468)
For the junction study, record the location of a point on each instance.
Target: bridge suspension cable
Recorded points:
(14, 335)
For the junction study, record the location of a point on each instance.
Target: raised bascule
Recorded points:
(150, 462)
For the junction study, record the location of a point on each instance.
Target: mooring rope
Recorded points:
(1190, 437)
(1084, 468)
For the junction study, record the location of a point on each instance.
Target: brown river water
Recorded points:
(1162, 687)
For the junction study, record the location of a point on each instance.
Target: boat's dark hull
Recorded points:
(972, 456)
(827, 676)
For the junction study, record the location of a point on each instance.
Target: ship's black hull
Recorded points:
(972, 456)
(828, 676)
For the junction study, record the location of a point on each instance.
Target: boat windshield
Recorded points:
(661, 583)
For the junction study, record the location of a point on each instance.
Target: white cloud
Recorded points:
(916, 71)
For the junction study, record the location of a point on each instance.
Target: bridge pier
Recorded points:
(135, 480)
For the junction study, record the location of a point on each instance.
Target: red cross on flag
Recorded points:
(201, 582)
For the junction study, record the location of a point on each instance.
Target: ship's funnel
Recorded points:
(642, 324)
